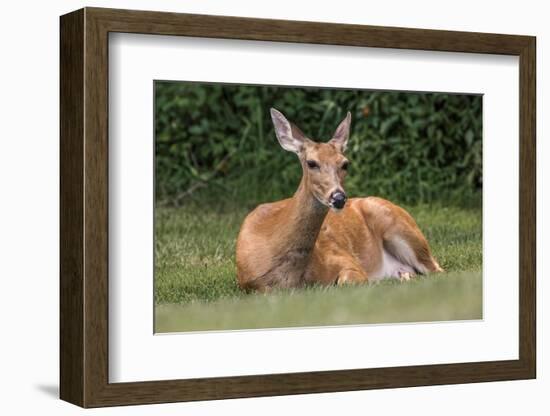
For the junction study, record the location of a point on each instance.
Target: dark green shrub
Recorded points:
(215, 140)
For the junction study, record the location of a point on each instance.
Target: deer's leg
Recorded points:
(351, 272)
(411, 247)
(401, 236)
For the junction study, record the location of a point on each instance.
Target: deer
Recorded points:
(319, 236)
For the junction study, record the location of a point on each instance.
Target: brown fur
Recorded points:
(299, 241)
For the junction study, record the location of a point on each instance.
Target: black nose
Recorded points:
(338, 199)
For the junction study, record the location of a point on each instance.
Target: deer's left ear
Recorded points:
(341, 135)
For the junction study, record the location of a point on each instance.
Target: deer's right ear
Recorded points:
(287, 136)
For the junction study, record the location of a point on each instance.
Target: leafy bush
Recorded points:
(216, 140)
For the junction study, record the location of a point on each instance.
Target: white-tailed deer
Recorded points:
(318, 236)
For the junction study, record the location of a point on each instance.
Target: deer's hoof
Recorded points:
(404, 276)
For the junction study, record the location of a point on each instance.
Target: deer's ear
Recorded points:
(341, 135)
(290, 137)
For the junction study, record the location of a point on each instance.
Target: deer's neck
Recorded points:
(305, 215)
(293, 240)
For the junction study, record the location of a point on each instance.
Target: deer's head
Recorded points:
(324, 164)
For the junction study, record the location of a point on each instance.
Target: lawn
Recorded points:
(196, 288)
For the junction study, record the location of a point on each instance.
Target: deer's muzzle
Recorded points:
(338, 199)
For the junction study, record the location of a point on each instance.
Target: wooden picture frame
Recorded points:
(84, 207)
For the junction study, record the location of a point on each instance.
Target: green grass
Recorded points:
(196, 288)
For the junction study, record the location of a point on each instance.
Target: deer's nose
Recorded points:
(338, 199)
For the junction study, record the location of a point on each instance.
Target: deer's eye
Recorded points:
(312, 164)
(345, 165)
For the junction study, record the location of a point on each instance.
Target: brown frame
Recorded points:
(84, 208)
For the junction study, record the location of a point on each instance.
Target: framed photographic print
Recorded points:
(255, 207)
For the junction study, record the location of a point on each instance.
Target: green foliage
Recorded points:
(217, 141)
